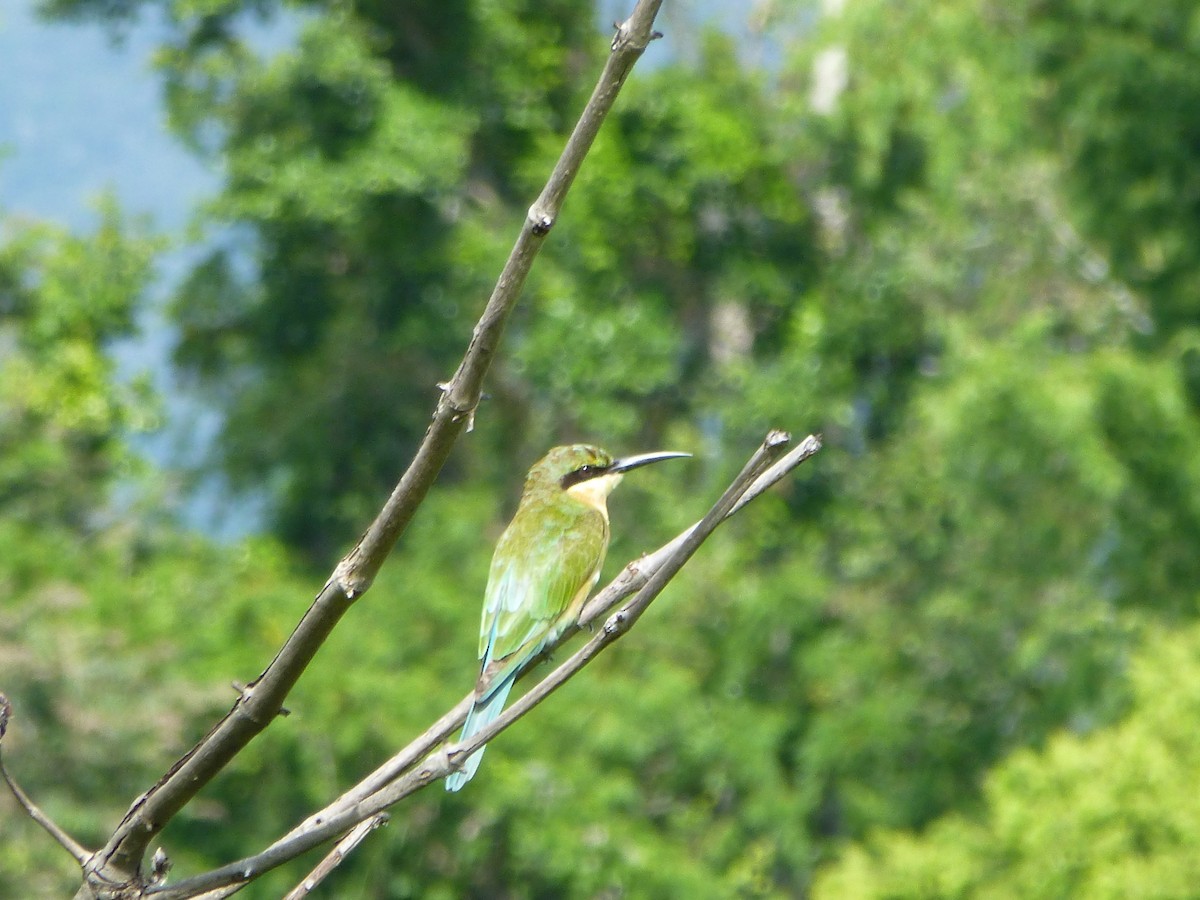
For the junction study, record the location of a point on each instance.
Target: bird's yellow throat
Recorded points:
(594, 492)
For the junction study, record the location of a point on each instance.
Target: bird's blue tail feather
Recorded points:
(481, 715)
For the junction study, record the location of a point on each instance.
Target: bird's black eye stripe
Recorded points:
(583, 473)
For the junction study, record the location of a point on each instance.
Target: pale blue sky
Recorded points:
(79, 114)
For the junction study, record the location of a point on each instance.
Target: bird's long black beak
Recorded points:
(643, 459)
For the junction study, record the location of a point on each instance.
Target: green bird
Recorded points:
(546, 563)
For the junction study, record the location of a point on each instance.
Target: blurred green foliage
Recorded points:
(1106, 815)
(62, 300)
(907, 673)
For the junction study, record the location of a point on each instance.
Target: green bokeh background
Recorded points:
(956, 656)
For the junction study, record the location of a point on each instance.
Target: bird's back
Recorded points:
(545, 564)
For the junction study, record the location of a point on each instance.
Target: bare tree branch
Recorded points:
(402, 776)
(34, 812)
(335, 856)
(262, 699)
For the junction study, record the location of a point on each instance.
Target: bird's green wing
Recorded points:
(543, 567)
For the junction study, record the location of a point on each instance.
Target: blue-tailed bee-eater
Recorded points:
(546, 563)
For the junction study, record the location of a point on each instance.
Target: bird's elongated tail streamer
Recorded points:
(480, 716)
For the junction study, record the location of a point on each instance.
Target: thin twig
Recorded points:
(768, 479)
(347, 844)
(435, 764)
(263, 698)
(32, 810)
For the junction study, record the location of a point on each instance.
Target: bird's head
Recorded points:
(587, 472)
